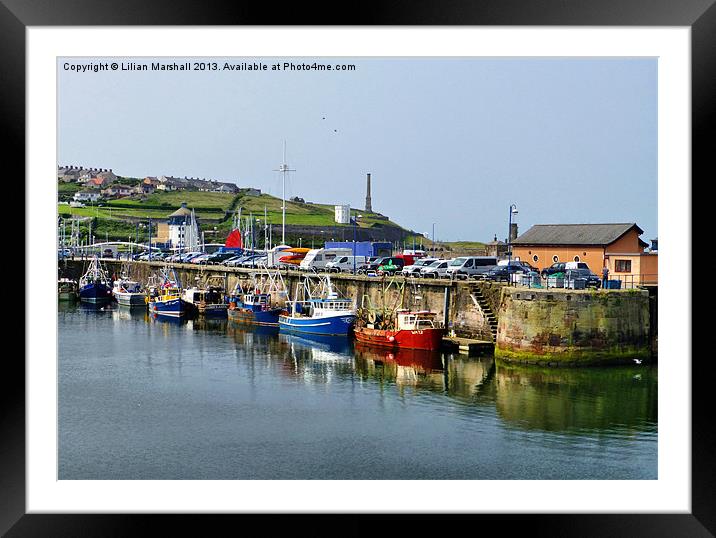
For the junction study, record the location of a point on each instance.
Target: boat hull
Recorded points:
(170, 308)
(131, 299)
(213, 310)
(268, 318)
(95, 293)
(427, 339)
(340, 325)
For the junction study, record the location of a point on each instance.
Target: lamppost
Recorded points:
(513, 210)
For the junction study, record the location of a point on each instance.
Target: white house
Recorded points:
(343, 214)
(86, 196)
(184, 229)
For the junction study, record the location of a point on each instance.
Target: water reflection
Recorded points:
(453, 374)
(612, 401)
(616, 399)
(133, 312)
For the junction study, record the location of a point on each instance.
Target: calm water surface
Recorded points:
(141, 398)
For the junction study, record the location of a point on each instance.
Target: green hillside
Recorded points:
(214, 208)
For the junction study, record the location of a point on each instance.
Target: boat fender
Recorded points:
(391, 338)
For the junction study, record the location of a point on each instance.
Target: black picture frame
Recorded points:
(698, 15)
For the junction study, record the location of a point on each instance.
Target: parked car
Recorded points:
(372, 267)
(252, 260)
(219, 257)
(241, 260)
(363, 267)
(227, 261)
(437, 269)
(561, 267)
(593, 281)
(466, 267)
(414, 270)
(200, 260)
(187, 257)
(390, 266)
(503, 273)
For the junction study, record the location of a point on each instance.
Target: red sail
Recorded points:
(234, 240)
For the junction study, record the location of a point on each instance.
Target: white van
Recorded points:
(465, 267)
(345, 263)
(317, 258)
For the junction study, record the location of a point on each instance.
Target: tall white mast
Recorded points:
(284, 169)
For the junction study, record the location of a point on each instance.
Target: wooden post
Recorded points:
(446, 306)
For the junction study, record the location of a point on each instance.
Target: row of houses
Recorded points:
(101, 178)
(80, 174)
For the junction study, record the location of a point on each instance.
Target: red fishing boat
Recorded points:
(407, 329)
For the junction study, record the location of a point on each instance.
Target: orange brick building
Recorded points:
(615, 246)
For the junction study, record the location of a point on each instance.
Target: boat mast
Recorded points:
(284, 169)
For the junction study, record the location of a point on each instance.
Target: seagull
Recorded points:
(638, 361)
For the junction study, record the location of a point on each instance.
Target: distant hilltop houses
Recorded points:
(110, 185)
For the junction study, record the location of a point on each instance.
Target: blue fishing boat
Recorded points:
(321, 311)
(166, 300)
(95, 286)
(252, 303)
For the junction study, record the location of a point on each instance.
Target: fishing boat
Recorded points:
(320, 310)
(253, 301)
(397, 327)
(66, 289)
(166, 299)
(408, 329)
(206, 299)
(128, 292)
(95, 286)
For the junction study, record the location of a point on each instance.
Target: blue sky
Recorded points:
(450, 141)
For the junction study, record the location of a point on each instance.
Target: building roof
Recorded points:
(181, 212)
(575, 234)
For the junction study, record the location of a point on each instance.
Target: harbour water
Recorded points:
(144, 398)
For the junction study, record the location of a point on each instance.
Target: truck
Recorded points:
(363, 248)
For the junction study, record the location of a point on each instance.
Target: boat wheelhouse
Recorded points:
(203, 301)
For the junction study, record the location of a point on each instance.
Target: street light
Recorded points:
(513, 210)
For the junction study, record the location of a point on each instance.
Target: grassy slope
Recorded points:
(208, 205)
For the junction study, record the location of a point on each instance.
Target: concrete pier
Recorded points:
(554, 327)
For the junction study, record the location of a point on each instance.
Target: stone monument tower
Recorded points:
(368, 207)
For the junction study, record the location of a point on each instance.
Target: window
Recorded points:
(535, 258)
(555, 259)
(622, 266)
(576, 258)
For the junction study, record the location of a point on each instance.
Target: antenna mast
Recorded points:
(284, 169)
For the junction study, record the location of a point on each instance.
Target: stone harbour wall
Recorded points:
(571, 327)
